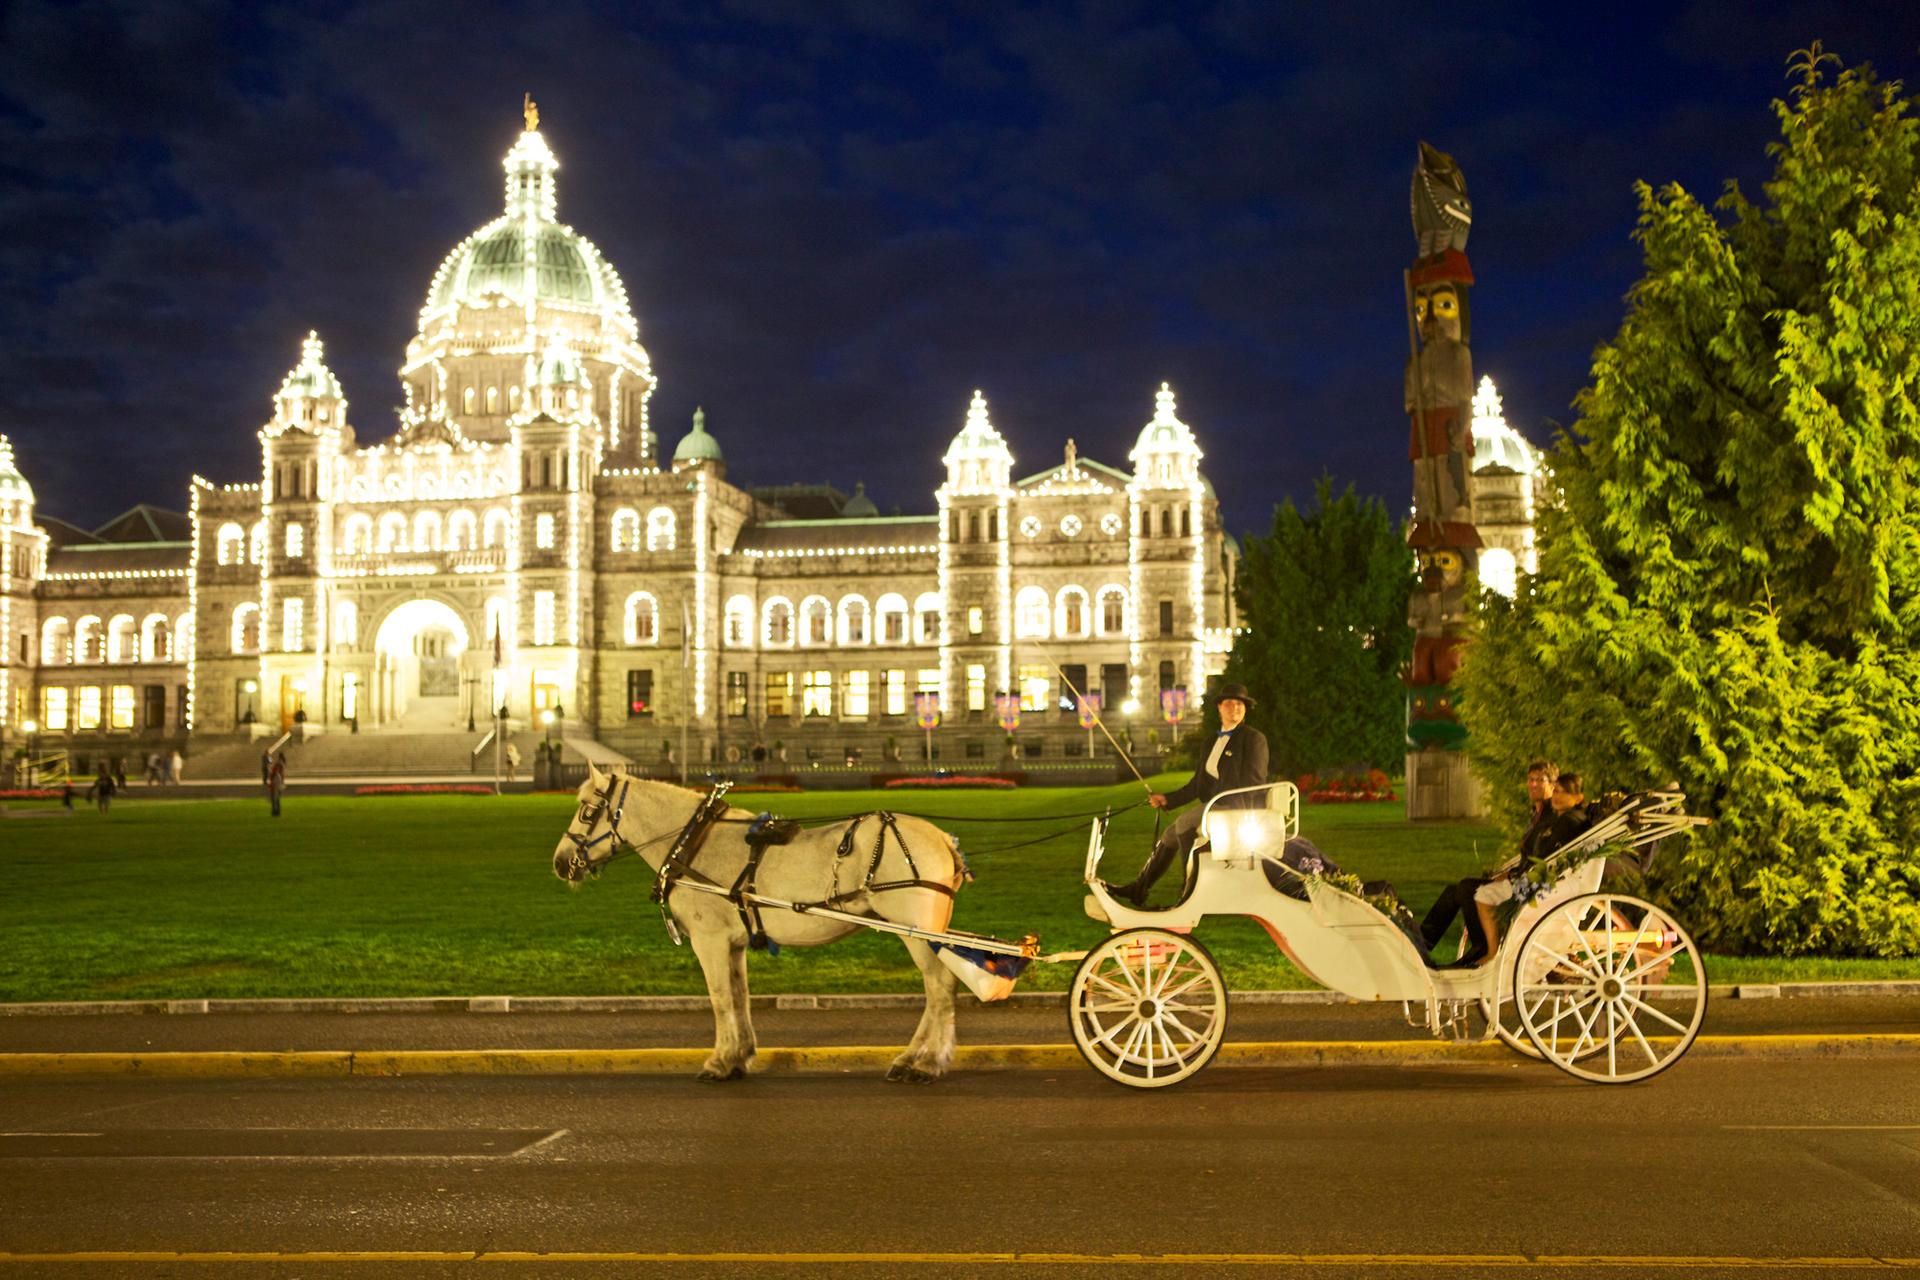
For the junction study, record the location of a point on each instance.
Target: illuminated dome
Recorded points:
(13, 485)
(698, 445)
(1494, 442)
(525, 256)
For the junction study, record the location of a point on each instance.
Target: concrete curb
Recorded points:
(872, 1000)
(827, 1059)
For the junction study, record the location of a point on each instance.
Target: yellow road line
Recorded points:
(1671, 1262)
(840, 1058)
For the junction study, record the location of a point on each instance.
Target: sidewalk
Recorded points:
(1031, 1033)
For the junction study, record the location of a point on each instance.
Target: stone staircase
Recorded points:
(378, 754)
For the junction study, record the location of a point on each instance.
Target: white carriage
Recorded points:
(1607, 987)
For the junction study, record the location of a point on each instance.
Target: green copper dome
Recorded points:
(495, 263)
(697, 445)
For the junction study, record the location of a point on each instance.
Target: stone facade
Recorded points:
(518, 544)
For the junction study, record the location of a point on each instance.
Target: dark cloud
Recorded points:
(836, 220)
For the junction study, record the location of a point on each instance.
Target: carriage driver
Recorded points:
(1238, 759)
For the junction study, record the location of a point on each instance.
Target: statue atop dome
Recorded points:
(530, 113)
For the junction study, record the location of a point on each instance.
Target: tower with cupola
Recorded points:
(975, 568)
(1168, 514)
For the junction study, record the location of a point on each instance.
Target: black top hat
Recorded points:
(1238, 692)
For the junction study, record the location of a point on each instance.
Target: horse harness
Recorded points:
(764, 831)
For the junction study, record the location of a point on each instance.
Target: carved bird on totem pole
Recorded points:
(1442, 214)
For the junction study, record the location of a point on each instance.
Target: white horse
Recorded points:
(618, 811)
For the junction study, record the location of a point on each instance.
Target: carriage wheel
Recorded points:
(1610, 988)
(1503, 1013)
(1148, 1008)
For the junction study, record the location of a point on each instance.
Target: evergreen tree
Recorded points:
(1729, 585)
(1324, 597)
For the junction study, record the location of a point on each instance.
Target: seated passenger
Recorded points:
(1238, 759)
(1570, 819)
(1456, 898)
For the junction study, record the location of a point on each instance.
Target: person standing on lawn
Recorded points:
(173, 768)
(513, 761)
(102, 790)
(276, 781)
(1238, 759)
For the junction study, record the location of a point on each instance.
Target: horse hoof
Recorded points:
(916, 1076)
(709, 1076)
(897, 1073)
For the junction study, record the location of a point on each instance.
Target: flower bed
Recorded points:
(1345, 787)
(424, 789)
(952, 782)
(29, 793)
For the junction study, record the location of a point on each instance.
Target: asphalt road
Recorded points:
(1717, 1166)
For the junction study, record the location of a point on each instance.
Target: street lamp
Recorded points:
(547, 718)
(1130, 708)
(249, 687)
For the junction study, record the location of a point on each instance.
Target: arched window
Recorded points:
(853, 620)
(777, 622)
(543, 531)
(816, 621)
(257, 543)
(740, 622)
(426, 531)
(1113, 611)
(643, 619)
(513, 398)
(346, 624)
(1071, 614)
(493, 400)
(1030, 610)
(56, 641)
(494, 528)
(393, 532)
(246, 628)
(460, 531)
(893, 619)
(89, 641)
(230, 543)
(156, 638)
(183, 634)
(626, 529)
(123, 639)
(358, 535)
(927, 607)
(659, 529)
(466, 401)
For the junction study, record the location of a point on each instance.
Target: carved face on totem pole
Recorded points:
(1440, 312)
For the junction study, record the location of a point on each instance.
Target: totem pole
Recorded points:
(1439, 396)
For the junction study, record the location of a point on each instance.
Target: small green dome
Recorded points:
(859, 505)
(13, 485)
(697, 445)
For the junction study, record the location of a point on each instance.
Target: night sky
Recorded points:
(835, 221)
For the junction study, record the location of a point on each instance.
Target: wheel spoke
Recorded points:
(1108, 1035)
(1126, 971)
(1644, 1007)
(1613, 1031)
(1167, 974)
(1653, 1059)
(1114, 987)
(1199, 976)
(1560, 959)
(1185, 1030)
(1654, 960)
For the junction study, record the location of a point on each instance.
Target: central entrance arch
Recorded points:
(417, 650)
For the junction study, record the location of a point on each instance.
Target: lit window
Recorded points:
(123, 640)
(893, 619)
(494, 529)
(89, 641)
(736, 693)
(927, 680)
(246, 628)
(53, 709)
(543, 531)
(257, 543)
(927, 608)
(640, 693)
(626, 530)
(976, 687)
(1070, 526)
(853, 620)
(460, 530)
(1111, 523)
(393, 532)
(895, 682)
(643, 619)
(56, 641)
(816, 694)
(1033, 688)
(976, 619)
(230, 543)
(659, 529)
(1030, 527)
(1030, 610)
(779, 695)
(293, 622)
(467, 399)
(493, 399)
(88, 710)
(426, 531)
(120, 707)
(350, 696)
(543, 617)
(739, 623)
(1072, 620)
(1113, 611)
(296, 540)
(853, 702)
(156, 643)
(779, 622)
(816, 621)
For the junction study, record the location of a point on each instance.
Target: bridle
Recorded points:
(604, 805)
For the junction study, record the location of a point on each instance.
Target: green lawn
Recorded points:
(454, 895)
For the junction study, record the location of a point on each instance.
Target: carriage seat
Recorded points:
(1300, 857)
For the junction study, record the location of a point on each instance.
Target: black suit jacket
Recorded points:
(1242, 764)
